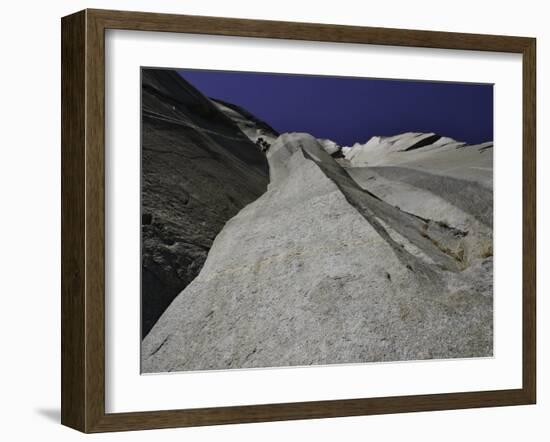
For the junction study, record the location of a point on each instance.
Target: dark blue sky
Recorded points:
(349, 110)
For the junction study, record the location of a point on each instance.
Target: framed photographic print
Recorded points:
(269, 220)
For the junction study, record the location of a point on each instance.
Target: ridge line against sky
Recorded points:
(351, 109)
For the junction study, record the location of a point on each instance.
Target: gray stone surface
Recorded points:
(198, 170)
(426, 152)
(322, 270)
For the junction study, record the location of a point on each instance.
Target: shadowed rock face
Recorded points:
(251, 126)
(321, 270)
(198, 170)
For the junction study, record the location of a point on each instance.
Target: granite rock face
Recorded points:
(324, 268)
(427, 152)
(249, 124)
(198, 170)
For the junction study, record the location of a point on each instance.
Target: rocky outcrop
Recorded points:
(427, 152)
(198, 170)
(249, 124)
(321, 270)
(330, 147)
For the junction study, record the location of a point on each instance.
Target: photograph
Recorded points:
(243, 221)
(296, 220)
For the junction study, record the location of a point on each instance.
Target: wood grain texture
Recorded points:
(83, 219)
(95, 222)
(73, 128)
(529, 221)
(144, 21)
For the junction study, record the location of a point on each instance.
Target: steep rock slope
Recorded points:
(198, 170)
(251, 126)
(427, 152)
(431, 176)
(319, 270)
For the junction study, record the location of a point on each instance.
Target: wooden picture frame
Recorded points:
(83, 218)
